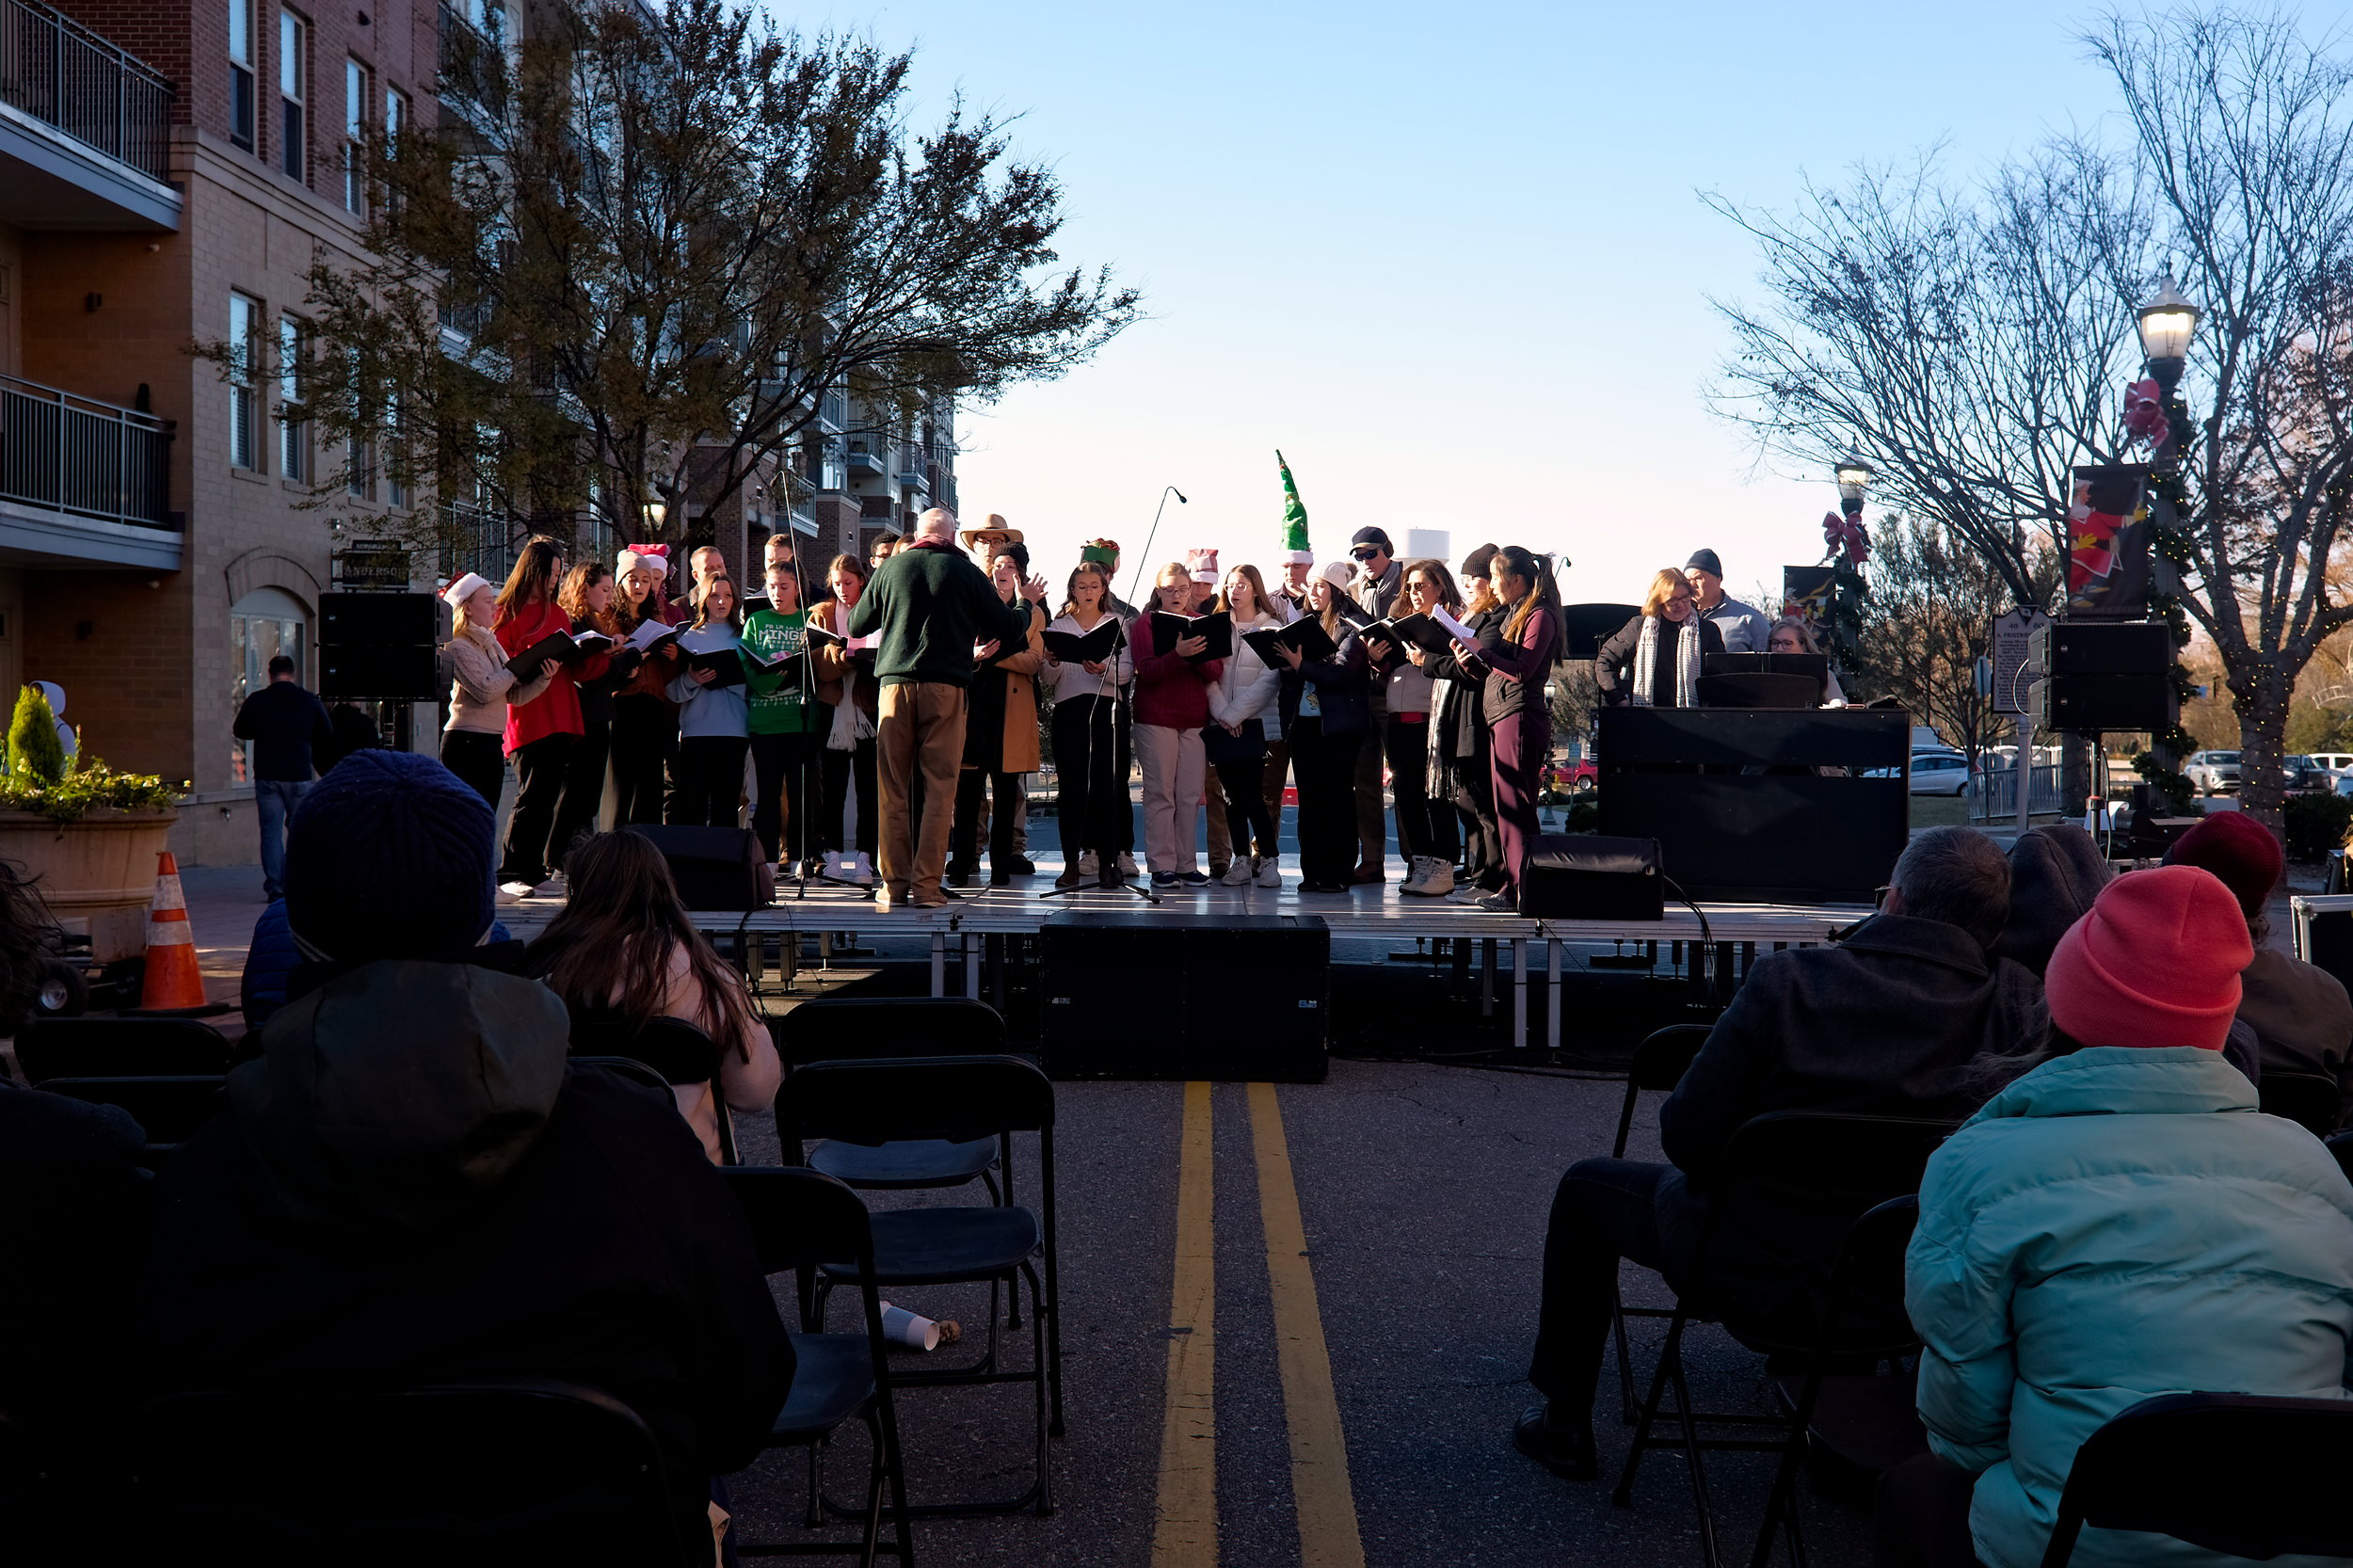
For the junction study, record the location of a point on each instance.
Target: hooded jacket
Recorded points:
(2118, 1223)
(2056, 871)
(1886, 1023)
(412, 1181)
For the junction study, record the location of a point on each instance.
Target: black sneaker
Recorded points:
(1023, 865)
(1196, 878)
(999, 879)
(1566, 1451)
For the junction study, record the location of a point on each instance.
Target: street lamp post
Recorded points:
(2167, 322)
(1854, 476)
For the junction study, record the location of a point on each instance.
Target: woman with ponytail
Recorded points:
(1518, 655)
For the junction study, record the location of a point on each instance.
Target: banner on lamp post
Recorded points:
(2108, 534)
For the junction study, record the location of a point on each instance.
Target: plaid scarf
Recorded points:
(1686, 663)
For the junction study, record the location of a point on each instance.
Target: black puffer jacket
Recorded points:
(412, 1181)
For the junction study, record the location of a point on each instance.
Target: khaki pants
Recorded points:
(1221, 836)
(921, 735)
(1173, 767)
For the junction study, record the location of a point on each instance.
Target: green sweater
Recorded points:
(931, 605)
(777, 705)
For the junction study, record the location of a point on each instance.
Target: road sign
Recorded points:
(2013, 659)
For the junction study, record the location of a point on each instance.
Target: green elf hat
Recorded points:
(1101, 553)
(1294, 518)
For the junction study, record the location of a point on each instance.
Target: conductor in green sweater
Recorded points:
(936, 616)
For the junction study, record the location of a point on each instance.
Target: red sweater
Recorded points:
(556, 711)
(1170, 691)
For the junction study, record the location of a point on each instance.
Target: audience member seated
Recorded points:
(2056, 871)
(413, 1182)
(2117, 1223)
(1885, 1023)
(623, 948)
(2301, 1014)
(271, 959)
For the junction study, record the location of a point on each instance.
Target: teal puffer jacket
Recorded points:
(2118, 1223)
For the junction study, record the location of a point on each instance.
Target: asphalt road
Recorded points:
(1422, 1192)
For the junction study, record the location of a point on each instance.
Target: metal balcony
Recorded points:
(82, 480)
(864, 464)
(104, 160)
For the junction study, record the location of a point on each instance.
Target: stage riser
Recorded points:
(1169, 996)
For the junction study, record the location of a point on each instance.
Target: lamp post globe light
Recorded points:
(1855, 475)
(2167, 322)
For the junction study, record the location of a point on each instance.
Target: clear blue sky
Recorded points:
(1449, 259)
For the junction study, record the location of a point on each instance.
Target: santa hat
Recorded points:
(1202, 565)
(1299, 557)
(653, 557)
(463, 589)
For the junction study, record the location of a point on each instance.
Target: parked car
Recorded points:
(2335, 762)
(2213, 772)
(2308, 776)
(1939, 773)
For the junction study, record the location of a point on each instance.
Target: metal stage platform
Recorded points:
(960, 930)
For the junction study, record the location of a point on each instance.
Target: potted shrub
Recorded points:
(88, 835)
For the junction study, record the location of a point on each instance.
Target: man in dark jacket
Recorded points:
(285, 723)
(1886, 1023)
(412, 1182)
(932, 607)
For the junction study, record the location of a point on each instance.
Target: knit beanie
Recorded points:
(1477, 561)
(1341, 574)
(2239, 850)
(2157, 962)
(389, 855)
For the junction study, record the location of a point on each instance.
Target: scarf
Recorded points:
(851, 722)
(1686, 663)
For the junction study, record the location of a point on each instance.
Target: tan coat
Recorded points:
(481, 688)
(1020, 740)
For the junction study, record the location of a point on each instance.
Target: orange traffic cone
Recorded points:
(173, 980)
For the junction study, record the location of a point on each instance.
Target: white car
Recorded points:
(2213, 772)
(1939, 773)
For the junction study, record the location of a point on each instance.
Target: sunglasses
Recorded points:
(1366, 554)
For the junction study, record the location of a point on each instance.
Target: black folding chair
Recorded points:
(1659, 1063)
(2308, 1099)
(121, 1047)
(957, 1099)
(636, 1071)
(505, 1470)
(169, 1110)
(1834, 1164)
(799, 1219)
(2342, 1146)
(682, 1055)
(855, 1028)
(2240, 1474)
(1870, 1420)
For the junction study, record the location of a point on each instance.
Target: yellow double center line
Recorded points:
(1185, 1531)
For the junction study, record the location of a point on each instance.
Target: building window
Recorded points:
(294, 458)
(293, 78)
(262, 625)
(245, 318)
(241, 73)
(395, 115)
(356, 96)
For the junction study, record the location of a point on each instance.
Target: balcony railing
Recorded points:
(65, 75)
(76, 454)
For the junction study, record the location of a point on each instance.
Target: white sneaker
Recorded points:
(1128, 866)
(1437, 878)
(1090, 866)
(1417, 870)
(516, 891)
(1465, 893)
(861, 871)
(1271, 871)
(1236, 874)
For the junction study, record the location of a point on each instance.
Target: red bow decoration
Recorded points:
(1842, 533)
(661, 550)
(2144, 412)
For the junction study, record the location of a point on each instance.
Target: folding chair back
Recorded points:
(169, 1110)
(506, 1470)
(954, 1098)
(1861, 1160)
(2240, 1474)
(801, 1218)
(628, 1067)
(120, 1048)
(1659, 1063)
(841, 1029)
(672, 1047)
(2308, 1099)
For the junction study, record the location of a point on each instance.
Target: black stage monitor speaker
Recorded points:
(393, 619)
(1760, 689)
(1585, 876)
(2098, 703)
(715, 868)
(2101, 647)
(378, 672)
(2328, 942)
(1590, 625)
(1160, 995)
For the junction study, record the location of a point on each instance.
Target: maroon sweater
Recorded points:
(1170, 692)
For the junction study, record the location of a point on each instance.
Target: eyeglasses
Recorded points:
(1363, 552)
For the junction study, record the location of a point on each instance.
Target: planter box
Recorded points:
(97, 875)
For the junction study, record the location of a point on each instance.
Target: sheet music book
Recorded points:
(1169, 628)
(565, 647)
(652, 635)
(1304, 635)
(1419, 630)
(1456, 628)
(727, 663)
(1088, 647)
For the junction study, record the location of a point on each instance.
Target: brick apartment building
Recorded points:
(168, 170)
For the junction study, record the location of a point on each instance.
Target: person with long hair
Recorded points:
(1094, 792)
(1656, 659)
(645, 720)
(1519, 655)
(714, 723)
(1463, 773)
(623, 947)
(848, 761)
(587, 596)
(1172, 706)
(1327, 716)
(1425, 818)
(481, 689)
(1246, 702)
(1792, 635)
(788, 719)
(999, 736)
(540, 735)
